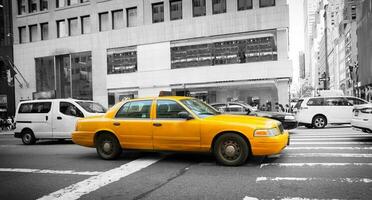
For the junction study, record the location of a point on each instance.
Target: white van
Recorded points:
(317, 112)
(51, 118)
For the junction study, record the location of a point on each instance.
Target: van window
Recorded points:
(92, 107)
(316, 102)
(135, 109)
(39, 107)
(70, 109)
(355, 101)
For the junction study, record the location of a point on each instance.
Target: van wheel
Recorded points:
(28, 137)
(319, 121)
(231, 149)
(108, 147)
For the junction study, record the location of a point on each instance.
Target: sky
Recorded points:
(296, 37)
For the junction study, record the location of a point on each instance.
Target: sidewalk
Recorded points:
(6, 132)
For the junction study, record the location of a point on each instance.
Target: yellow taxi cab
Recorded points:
(180, 124)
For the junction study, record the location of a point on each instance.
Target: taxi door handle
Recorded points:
(116, 124)
(156, 124)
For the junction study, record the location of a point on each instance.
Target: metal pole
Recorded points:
(326, 48)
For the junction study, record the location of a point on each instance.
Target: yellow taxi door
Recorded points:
(171, 132)
(133, 125)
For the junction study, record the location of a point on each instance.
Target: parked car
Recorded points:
(362, 118)
(51, 118)
(317, 112)
(287, 119)
(180, 124)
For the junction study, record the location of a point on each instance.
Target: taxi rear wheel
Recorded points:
(231, 149)
(108, 147)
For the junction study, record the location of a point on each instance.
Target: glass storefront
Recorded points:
(68, 75)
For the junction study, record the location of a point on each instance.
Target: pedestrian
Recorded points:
(286, 108)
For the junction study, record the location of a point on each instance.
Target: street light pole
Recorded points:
(326, 48)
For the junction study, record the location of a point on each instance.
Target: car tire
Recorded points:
(28, 137)
(309, 126)
(231, 149)
(108, 147)
(319, 121)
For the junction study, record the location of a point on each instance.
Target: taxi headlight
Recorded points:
(289, 117)
(266, 132)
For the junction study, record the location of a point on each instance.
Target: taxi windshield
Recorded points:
(92, 107)
(199, 108)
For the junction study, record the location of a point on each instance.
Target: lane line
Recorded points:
(344, 155)
(328, 148)
(336, 180)
(48, 171)
(321, 139)
(86, 186)
(353, 143)
(287, 198)
(316, 165)
(332, 136)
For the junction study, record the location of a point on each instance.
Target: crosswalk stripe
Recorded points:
(316, 165)
(328, 148)
(324, 143)
(48, 171)
(345, 155)
(341, 136)
(336, 180)
(86, 186)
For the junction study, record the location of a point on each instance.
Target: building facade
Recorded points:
(107, 50)
(364, 67)
(7, 100)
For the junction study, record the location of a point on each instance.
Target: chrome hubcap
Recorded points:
(319, 122)
(107, 147)
(230, 150)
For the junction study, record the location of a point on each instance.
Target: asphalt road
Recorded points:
(332, 163)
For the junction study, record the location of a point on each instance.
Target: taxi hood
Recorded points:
(252, 121)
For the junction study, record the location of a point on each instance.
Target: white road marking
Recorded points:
(337, 180)
(250, 198)
(315, 165)
(332, 136)
(328, 148)
(86, 186)
(326, 143)
(285, 198)
(321, 139)
(47, 171)
(344, 155)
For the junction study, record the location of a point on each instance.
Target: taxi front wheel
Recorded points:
(231, 149)
(108, 147)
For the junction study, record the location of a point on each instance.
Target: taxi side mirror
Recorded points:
(185, 115)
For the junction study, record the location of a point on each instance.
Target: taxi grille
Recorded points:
(281, 128)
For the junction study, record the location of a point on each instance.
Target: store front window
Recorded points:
(68, 75)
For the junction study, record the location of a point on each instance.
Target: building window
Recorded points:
(225, 52)
(81, 75)
(73, 26)
(61, 29)
(21, 7)
(267, 3)
(32, 6)
(33, 32)
(175, 9)
(60, 3)
(218, 6)
(157, 12)
(117, 19)
(104, 21)
(44, 31)
(121, 60)
(132, 17)
(22, 34)
(244, 4)
(43, 5)
(45, 74)
(85, 24)
(72, 2)
(198, 8)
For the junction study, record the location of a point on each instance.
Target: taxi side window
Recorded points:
(70, 109)
(135, 109)
(167, 109)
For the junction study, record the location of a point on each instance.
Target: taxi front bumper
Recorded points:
(264, 146)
